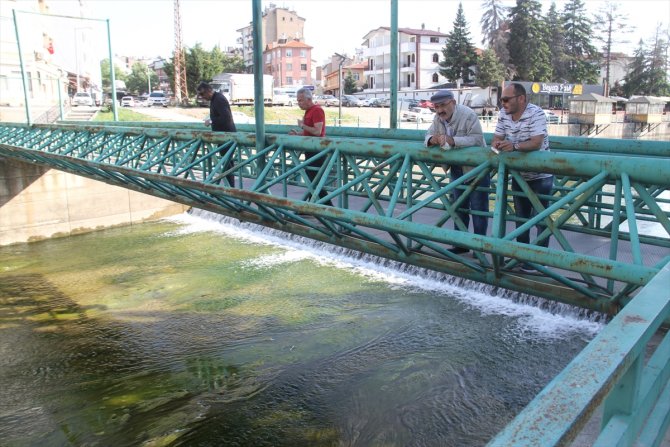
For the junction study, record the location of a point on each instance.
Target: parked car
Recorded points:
(552, 118)
(327, 100)
(158, 99)
(82, 99)
(351, 101)
(427, 104)
(127, 101)
(372, 102)
(418, 114)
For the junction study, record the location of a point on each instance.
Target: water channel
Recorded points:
(195, 331)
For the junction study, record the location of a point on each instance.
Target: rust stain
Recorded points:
(630, 319)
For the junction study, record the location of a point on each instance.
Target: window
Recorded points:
(303, 53)
(413, 57)
(372, 82)
(303, 67)
(357, 76)
(289, 53)
(435, 77)
(289, 80)
(412, 77)
(434, 39)
(289, 67)
(436, 58)
(268, 57)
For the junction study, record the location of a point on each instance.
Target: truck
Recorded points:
(238, 88)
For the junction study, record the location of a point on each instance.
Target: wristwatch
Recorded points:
(515, 146)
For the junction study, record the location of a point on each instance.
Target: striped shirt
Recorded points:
(532, 122)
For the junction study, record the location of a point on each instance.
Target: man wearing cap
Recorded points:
(456, 126)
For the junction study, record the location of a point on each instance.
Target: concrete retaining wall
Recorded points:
(38, 203)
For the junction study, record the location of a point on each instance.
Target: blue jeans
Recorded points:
(477, 200)
(525, 209)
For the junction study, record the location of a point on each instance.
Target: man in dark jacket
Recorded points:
(220, 118)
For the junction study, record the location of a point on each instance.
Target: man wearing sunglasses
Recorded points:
(457, 126)
(522, 127)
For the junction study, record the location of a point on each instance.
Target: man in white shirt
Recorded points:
(522, 127)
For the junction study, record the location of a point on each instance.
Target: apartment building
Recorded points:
(290, 63)
(419, 55)
(280, 25)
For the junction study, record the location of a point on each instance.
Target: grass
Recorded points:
(124, 115)
(289, 115)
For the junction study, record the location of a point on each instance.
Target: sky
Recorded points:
(145, 27)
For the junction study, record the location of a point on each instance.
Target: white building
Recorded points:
(59, 54)
(418, 59)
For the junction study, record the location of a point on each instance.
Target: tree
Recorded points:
(459, 53)
(490, 71)
(106, 76)
(580, 54)
(349, 83)
(557, 47)
(492, 20)
(611, 27)
(137, 81)
(528, 48)
(635, 79)
(203, 65)
(657, 62)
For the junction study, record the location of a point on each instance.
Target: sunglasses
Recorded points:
(505, 99)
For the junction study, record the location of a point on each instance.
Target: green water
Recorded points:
(150, 335)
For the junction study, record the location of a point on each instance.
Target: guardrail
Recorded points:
(612, 371)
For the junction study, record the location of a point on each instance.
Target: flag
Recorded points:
(48, 43)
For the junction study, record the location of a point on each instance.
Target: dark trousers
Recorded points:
(525, 209)
(312, 172)
(477, 200)
(230, 177)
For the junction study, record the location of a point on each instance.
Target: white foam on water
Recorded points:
(535, 316)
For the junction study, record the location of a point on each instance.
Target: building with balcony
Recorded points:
(290, 64)
(420, 51)
(280, 25)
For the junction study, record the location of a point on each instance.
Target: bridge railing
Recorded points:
(391, 199)
(613, 375)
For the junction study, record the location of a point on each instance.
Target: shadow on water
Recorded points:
(144, 336)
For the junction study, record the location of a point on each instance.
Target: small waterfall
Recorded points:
(488, 298)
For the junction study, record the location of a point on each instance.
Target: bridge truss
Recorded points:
(391, 197)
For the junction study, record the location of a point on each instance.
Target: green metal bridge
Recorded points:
(390, 198)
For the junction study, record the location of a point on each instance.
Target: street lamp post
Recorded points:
(339, 86)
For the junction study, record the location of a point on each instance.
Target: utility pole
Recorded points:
(180, 87)
(339, 86)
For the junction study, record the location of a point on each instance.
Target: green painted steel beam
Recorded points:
(557, 414)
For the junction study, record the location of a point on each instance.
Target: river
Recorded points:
(198, 331)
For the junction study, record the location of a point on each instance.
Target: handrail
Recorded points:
(611, 371)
